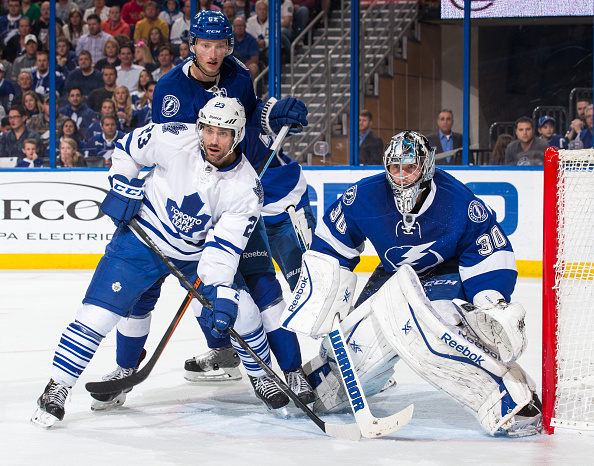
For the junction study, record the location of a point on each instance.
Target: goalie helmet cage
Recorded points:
(568, 290)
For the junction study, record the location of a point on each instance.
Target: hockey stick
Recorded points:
(126, 383)
(370, 425)
(346, 431)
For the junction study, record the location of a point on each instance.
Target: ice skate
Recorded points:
(51, 405)
(298, 384)
(106, 401)
(272, 396)
(216, 365)
(528, 421)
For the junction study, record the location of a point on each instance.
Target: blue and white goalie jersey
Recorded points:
(191, 210)
(451, 224)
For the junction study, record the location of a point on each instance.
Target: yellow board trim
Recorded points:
(532, 269)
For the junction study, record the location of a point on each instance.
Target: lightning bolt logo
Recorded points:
(420, 257)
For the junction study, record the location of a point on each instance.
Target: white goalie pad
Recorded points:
(445, 357)
(324, 289)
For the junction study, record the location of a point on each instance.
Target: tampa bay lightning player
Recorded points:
(178, 97)
(440, 249)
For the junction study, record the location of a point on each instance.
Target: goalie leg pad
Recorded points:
(444, 357)
(324, 289)
(371, 355)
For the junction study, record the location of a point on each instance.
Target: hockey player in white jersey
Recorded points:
(441, 249)
(199, 205)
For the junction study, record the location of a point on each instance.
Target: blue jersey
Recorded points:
(179, 98)
(283, 180)
(452, 224)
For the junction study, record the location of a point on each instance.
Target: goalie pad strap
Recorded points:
(444, 357)
(324, 289)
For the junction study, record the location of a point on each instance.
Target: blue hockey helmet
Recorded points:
(409, 161)
(211, 25)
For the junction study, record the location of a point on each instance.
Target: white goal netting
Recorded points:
(574, 285)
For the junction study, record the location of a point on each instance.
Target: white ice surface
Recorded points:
(168, 421)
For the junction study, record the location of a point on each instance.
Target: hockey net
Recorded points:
(568, 290)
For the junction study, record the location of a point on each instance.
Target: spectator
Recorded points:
(244, 9)
(65, 57)
(25, 82)
(94, 40)
(122, 39)
(32, 105)
(143, 56)
(257, 25)
(498, 155)
(286, 15)
(63, 8)
(105, 142)
(124, 111)
(98, 95)
(184, 53)
(30, 10)
(107, 108)
(69, 154)
(143, 79)
(40, 75)
(85, 77)
(371, 147)
(445, 139)
(303, 11)
(114, 24)
(132, 11)
(6, 63)
(40, 26)
(207, 5)
(526, 149)
(546, 130)
(4, 126)
(98, 9)
(230, 11)
(165, 62)
(155, 42)
(9, 23)
(111, 50)
(150, 20)
(27, 61)
(586, 135)
(6, 90)
(579, 124)
(180, 30)
(68, 130)
(76, 27)
(31, 159)
(245, 47)
(145, 113)
(171, 12)
(77, 110)
(15, 47)
(11, 142)
(40, 123)
(128, 72)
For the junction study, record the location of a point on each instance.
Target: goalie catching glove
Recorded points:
(225, 301)
(123, 200)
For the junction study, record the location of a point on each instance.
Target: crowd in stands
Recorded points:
(109, 57)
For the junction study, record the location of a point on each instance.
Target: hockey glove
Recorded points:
(124, 199)
(278, 113)
(225, 301)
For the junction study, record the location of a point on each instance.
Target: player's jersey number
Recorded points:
(144, 136)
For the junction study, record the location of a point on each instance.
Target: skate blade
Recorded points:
(118, 401)
(391, 382)
(43, 419)
(218, 375)
(282, 413)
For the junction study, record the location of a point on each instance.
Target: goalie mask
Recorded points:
(222, 112)
(409, 161)
(211, 25)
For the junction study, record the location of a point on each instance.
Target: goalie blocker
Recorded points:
(399, 321)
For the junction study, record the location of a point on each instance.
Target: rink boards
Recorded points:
(50, 219)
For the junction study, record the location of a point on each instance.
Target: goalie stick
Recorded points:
(370, 425)
(345, 431)
(126, 383)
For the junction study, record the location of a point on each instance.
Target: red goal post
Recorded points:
(568, 290)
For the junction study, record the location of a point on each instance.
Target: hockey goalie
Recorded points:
(439, 299)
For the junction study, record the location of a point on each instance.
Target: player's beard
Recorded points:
(220, 158)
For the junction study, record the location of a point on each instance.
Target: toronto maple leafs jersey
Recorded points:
(178, 97)
(451, 224)
(283, 180)
(191, 210)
